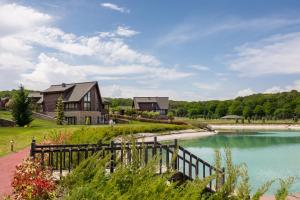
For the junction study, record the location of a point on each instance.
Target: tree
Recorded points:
(60, 111)
(21, 107)
(181, 112)
(236, 108)
(170, 116)
(221, 109)
(259, 111)
(247, 112)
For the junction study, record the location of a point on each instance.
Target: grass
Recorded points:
(39, 129)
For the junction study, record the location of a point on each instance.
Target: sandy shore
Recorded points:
(282, 127)
(184, 134)
(290, 197)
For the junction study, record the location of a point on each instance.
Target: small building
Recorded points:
(36, 99)
(3, 102)
(156, 104)
(82, 102)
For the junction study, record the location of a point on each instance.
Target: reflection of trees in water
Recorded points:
(240, 141)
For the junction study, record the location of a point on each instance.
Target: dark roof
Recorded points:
(78, 90)
(4, 98)
(162, 102)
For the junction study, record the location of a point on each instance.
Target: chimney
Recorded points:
(63, 85)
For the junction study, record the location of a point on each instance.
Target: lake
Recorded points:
(268, 155)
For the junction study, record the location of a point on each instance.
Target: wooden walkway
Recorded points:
(62, 158)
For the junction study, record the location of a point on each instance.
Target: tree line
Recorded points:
(285, 105)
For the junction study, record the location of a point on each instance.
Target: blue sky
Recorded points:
(188, 50)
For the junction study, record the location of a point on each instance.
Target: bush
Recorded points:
(32, 181)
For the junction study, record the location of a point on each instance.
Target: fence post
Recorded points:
(175, 154)
(155, 145)
(32, 149)
(112, 157)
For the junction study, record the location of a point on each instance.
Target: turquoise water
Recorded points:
(268, 155)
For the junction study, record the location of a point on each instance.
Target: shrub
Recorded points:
(32, 181)
(21, 110)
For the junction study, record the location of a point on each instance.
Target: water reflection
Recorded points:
(245, 140)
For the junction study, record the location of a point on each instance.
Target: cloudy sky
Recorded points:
(188, 50)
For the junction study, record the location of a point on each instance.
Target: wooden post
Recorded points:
(32, 149)
(112, 156)
(175, 153)
(154, 146)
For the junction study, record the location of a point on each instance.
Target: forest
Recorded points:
(284, 105)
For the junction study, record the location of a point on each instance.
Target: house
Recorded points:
(3, 102)
(156, 104)
(36, 99)
(82, 102)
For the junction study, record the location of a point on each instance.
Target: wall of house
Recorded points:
(95, 101)
(80, 116)
(50, 100)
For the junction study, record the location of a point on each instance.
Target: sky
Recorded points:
(187, 50)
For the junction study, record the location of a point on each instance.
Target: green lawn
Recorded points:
(39, 129)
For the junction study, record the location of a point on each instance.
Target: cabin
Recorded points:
(3, 102)
(156, 104)
(36, 100)
(82, 102)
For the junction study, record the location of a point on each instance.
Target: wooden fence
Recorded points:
(170, 156)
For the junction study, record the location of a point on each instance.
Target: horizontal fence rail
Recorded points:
(65, 157)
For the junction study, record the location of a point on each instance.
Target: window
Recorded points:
(87, 101)
(70, 106)
(71, 120)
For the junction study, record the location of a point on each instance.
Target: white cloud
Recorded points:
(126, 31)
(245, 92)
(275, 55)
(275, 89)
(51, 70)
(135, 91)
(191, 30)
(200, 67)
(15, 18)
(207, 86)
(115, 7)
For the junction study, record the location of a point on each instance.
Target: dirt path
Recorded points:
(7, 167)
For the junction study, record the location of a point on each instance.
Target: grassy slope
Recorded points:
(40, 128)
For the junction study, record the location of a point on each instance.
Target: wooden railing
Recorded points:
(170, 156)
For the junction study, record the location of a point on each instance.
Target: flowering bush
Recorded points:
(58, 137)
(32, 181)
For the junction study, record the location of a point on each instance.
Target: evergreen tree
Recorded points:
(21, 111)
(60, 111)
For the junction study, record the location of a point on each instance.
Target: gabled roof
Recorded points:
(80, 90)
(77, 90)
(162, 102)
(59, 88)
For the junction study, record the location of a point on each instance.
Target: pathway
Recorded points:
(7, 167)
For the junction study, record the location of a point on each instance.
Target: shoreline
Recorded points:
(276, 127)
(184, 134)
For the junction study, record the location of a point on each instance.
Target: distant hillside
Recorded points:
(285, 105)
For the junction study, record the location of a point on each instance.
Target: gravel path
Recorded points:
(7, 168)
